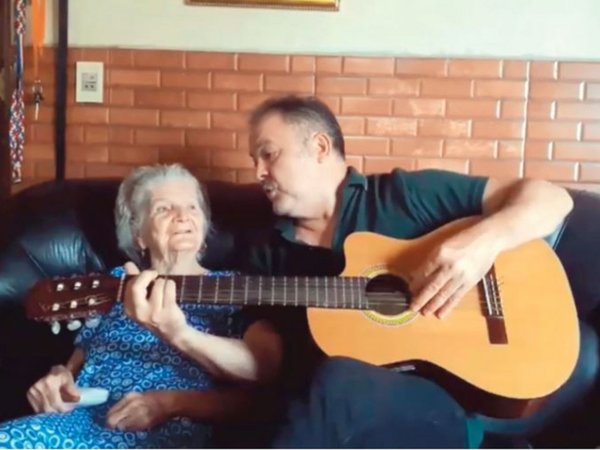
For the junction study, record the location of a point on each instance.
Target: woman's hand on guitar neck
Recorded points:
(158, 311)
(453, 268)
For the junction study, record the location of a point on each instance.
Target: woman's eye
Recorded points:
(161, 209)
(193, 207)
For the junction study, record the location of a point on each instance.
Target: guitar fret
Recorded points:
(259, 290)
(181, 296)
(246, 291)
(306, 292)
(326, 294)
(232, 290)
(216, 289)
(343, 292)
(296, 291)
(284, 291)
(272, 291)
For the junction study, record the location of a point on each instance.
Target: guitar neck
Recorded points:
(316, 292)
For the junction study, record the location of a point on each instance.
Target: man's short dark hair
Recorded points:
(303, 111)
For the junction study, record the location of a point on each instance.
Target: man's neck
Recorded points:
(320, 229)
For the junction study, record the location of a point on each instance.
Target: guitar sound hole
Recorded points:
(388, 294)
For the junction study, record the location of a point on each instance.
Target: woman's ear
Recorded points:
(139, 240)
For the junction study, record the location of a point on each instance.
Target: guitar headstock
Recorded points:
(69, 299)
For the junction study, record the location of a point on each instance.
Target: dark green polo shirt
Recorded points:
(399, 204)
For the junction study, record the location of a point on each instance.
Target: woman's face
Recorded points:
(174, 222)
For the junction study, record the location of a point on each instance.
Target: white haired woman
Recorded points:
(157, 359)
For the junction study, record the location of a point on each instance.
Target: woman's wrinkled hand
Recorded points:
(55, 392)
(139, 411)
(157, 311)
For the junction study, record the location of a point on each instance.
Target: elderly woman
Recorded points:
(158, 360)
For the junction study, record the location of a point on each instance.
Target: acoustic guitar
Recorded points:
(514, 337)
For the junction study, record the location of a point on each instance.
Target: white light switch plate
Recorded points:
(89, 82)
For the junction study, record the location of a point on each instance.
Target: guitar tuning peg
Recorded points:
(92, 322)
(55, 327)
(73, 325)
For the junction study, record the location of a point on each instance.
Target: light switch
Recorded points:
(89, 84)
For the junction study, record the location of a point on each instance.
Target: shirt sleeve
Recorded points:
(436, 197)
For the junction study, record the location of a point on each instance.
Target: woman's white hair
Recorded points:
(133, 198)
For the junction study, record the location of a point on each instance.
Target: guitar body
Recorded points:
(539, 320)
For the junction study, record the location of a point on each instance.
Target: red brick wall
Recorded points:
(491, 117)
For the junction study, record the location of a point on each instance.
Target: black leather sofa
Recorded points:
(66, 228)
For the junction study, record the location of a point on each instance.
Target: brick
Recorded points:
(419, 107)
(548, 130)
(127, 77)
(392, 126)
(304, 84)
(515, 70)
(446, 88)
(472, 109)
(466, 68)
(88, 153)
(224, 81)
(94, 54)
(210, 61)
(87, 115)
(246, 176)
(96, 135)
(248, 102)
(576, 151)
(512, 109)
(367, 146)
(74, 170)
(130, 116)
(184, 155)
(184, 119)
(498, 129)
(158, 137)
(304, 64)
(555, 90)
(569, 110)
(340, 86)
(211, 101)
(231, 159)
(511, 149)
(329, 65)
(160, 98)
(551, 170)
(417, 147)
(496, 169)
(538, 149)
(42, 132)
(45, 169)
(590, 173)
(46, 114)
(500, 89)
(541, 109)
(97, 170)
(453, 165)
(578, 71)
(443, 127)
(393, 87)
(229, 121)
(119, 57)
(213, 174)
(120, 135)
(592, 91)
(333, 103)
(132, 154)
(185, 80)
(211, 139)
(263, 63)
(75, 134)
(591, 132)
(424, 67)
(385, 164)
(40, 151)
(365, 106)
(544, 70)
(368, 66)
(167, 59)
(121, 97)
(352, 125)
(469, 148)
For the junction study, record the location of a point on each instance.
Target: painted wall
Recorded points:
(531, 29)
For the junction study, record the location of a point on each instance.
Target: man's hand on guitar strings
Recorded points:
(454, 268)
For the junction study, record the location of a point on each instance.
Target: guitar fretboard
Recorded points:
(317, 292)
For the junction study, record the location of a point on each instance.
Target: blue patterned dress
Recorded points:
(124, 357)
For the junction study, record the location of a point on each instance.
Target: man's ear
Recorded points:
(323, 146)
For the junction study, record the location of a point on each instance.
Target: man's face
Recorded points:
(285, 164)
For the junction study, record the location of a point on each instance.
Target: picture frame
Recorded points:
(326, 5)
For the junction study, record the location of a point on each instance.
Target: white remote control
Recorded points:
(91, 396)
